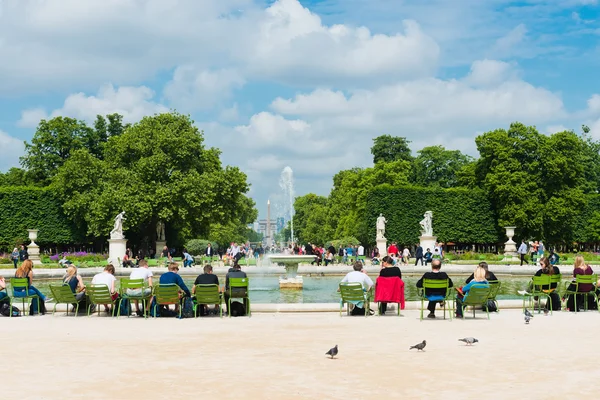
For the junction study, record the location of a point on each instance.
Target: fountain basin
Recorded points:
(291, 280)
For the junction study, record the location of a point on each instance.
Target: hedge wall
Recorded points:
(23, 208)
(459, 215)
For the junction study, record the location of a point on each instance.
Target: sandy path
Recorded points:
(281, 356)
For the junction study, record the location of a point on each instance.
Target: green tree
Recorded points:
(388, 148)
(310, 219)
(157, 169)
(15, 177)
(436, 166)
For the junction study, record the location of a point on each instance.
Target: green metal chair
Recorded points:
(494, 289)
(351, 292)
(136, 290)
(536, 290)
(20, 286)
(446, 299)
(238, 283)
(167, 294)
(579, 280)
(208, 294)
(62, 294)
(477, 296)
(99, 294)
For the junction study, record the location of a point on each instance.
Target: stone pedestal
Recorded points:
(382, 246)
(291, 283)
(428, 242)
(510, 247)
(116, 251)
(33, 250)
(159, 247)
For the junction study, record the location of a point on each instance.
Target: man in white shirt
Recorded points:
(358, 276)
(522, 252)
(107, 277)
(405, 255)
(141, 273)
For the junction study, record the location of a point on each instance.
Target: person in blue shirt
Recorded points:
(172, 276)
(188, 260)
(478, 281)
(349, 251)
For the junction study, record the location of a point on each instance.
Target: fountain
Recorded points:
(286, 182)
(291, 280)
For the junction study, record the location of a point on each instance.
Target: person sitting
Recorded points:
(388, 270)
(428, 256)
(171, 277)
(141, 273)
(63, 262)
(235, 272)
(489, 276)
(207, 278)
(580, 268)
(554, 257)
(3, 295)
(359, 275)
(74, 281)
(127, 263)
(434, 295)
(107, 277)
(478, 281)
(25, 270)
(548, 269)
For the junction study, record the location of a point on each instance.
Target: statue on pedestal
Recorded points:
(160, 231)
(381, 226)
(426, 224)
(117, 232)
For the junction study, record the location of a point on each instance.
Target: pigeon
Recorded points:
(469, 340)
(419, 346)
(332, 352)
(527, 318)
(546, 312)
(527, 313)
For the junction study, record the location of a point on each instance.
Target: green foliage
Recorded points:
(344, 242)
(459, 215)
(198, 246)
(387, 148)
(15, 177)
(224, 234)
(253, 236)
(25, 208)
(310, 219)
(157, 169)
(436, 166)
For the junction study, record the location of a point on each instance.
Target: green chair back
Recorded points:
(436, 283)
(207, 294)
(238, 283)
(134, 284)
(167, 293)
(20, 283)
(585, 279)
(352, 291)
(494, 289)
(539, 282)
(477, 295)
(99, 294)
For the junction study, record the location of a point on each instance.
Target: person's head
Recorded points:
(237, 266)
(523, 241)
(387, 261)
(173, 267)
(546, 267)
(15, 249)
(579, 262)
(110, 269)
(484, 265)
(479, 274)
(208, 245)
(208, 269)
(428, 249)
(166, 248)
(436, 265)
(358, 266)
(71, 273)
(24, 269)
(144, 263)
(22, 247)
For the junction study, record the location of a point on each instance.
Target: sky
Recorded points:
(302, 83)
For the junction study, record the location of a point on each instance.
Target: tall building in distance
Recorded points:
(270, 227)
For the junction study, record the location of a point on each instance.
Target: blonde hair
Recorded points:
(71, 273)
(580, 263)
(24, 269)
(173, 266)
(479, 274)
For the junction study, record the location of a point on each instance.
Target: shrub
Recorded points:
(198, 246)
(351, 240)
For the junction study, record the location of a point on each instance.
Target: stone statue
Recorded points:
(426, 224)
(381, 226)
(160, 231)
(117, 232)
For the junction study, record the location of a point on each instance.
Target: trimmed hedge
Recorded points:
(459, 215)
(25, 208)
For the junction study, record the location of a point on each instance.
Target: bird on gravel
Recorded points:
(469, 340)
(527, 313)
(546, 312)
(419, 346)
(332, 352)
(527, 318)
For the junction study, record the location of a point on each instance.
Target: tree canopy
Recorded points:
(389, 148)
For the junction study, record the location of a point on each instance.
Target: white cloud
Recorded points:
(485, 73)
(11, 149)
(191, 89)
(506, 44)
(131, 102)
(594, 104)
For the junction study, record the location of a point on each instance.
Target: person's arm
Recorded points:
(2, 283)
(182, 285)
(80, 284)
(150, 281)
(470, 278)
(450, 284)
(420, 282)
(112, 286)
(30, 276)
(369, 282)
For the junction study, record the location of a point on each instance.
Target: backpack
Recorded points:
(237, 309)
(5, 310)
(188, 308)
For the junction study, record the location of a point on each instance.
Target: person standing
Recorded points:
(419, 255)
(540, 249)
(14, 256)
(405, 256)
(522, 252)
(23, 255)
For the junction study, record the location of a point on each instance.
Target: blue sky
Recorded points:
(304, 83)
